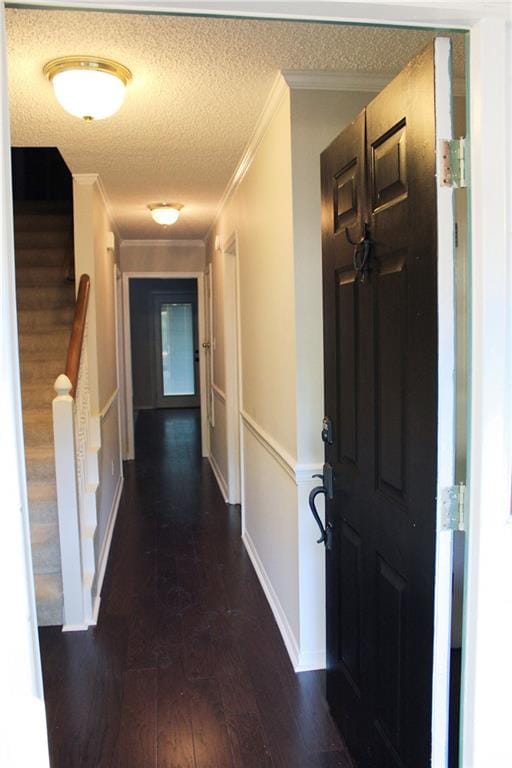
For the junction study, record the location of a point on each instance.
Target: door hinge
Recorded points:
(454, 164)
(453, 508)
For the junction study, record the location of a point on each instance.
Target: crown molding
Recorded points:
(303, 79)
(278, 91)
(362, 82)
(163, 243)
(289, 80)
(85, 179)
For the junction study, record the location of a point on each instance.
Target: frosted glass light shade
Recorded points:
(165, 213)
(91, 89)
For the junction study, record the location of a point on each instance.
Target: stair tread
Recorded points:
(38, 491)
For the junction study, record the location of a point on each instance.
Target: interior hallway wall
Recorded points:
(162, 256)
(94, 257)
(275, 213)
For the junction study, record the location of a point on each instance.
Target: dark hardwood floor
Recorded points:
(186, 668)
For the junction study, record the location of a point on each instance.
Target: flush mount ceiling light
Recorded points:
(88, 87)
(165, 213)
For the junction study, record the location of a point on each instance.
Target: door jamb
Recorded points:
(128, 378)
(488, 611)
(232, 361)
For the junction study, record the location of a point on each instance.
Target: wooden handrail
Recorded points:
(77, 332)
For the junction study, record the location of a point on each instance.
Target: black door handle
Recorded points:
(312, 505)
(327, 532)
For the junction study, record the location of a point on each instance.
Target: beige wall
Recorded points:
(275, 214)
(93, 226)
(104, 295)
(316, 119)
(162, 257)
(261, 213)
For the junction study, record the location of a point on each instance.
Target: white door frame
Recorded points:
(232, 359)
(128, 377)
(488, 609)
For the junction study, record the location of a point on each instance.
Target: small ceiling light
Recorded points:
(165, 213)
(86, 86)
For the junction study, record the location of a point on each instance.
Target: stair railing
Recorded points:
(71, 412)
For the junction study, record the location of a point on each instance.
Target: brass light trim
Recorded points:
(153, 206)
(93, 63)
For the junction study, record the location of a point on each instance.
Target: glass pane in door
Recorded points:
(177, 324)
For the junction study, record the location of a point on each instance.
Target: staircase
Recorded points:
(45, 300)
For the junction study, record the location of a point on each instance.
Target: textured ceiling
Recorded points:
(198, 89)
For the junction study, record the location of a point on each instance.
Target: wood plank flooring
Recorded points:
(186, 668)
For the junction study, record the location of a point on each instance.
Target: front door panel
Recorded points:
(381, 393)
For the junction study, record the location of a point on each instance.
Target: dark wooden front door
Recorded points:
(380, 329)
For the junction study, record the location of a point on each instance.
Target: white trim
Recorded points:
(344, 80)
(75, 627)
(105, 550)
(108, 405)
(441, 14)
(24, 740)
(487, 633)
(277, 93)
(445, 413)
(304, 79)
(278, 453)
(218, 392)
(282, 622)
(311, 661)
(91, 179)
(490, 481)
(299, 473)
(232, 367)
(305, 472)
(128, 380)
(221, 481)
(163, 243)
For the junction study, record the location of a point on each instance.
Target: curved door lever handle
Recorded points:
(326, 537)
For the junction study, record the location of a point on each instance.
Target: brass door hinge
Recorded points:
(454, 508)
(454, 162)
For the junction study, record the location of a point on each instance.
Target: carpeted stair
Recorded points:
(45, 299)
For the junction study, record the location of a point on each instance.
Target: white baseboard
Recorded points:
(275, 605)
(223, 486)
(95, 611)
(74, 627)
(105, 550)
(311, 660)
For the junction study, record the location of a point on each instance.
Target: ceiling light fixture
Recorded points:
(165, 213)
(87, 86)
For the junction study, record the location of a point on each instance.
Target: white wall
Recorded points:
(275, 213)
(93, 224)
(23, 738)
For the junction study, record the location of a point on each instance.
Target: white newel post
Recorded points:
(68, 505)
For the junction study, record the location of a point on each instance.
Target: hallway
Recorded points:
(186, 668)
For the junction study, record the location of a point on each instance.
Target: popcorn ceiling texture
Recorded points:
(198, 89)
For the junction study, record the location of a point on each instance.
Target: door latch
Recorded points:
(327, 435)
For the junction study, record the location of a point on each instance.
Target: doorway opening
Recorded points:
(231, 361)
(164, 327)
